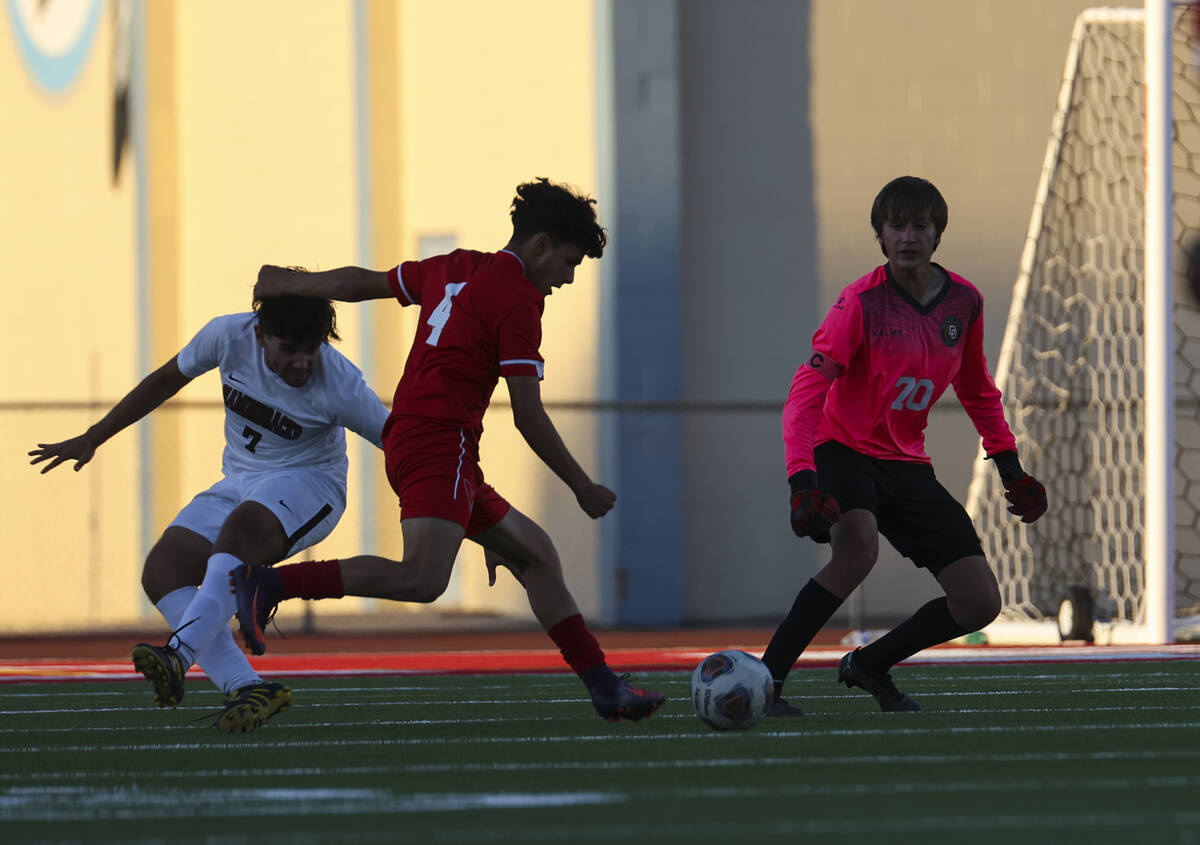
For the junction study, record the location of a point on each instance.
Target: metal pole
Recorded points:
(1159, 329)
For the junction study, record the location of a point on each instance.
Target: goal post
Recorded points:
(1100, 371)
(1158, 324)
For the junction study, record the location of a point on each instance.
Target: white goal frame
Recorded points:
(1157, 540)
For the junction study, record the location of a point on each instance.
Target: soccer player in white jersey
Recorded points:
(288, 396)
(854, 437)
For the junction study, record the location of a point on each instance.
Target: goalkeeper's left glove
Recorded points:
(1026, 495)
(814, 512)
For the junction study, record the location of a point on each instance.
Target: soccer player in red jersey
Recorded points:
(854, 430)
(480, 319)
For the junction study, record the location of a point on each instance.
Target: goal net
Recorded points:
(1072, 365)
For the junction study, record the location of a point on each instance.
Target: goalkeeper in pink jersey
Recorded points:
(854, 431)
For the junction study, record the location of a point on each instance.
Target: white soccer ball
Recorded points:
(731, 690)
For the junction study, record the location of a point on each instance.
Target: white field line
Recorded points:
(133, 803)
(57, 689)
(1094, 828)
(543, 720)
(800, 675)
(495, 702)
(523, 683)
(715, 737)
(517, 767)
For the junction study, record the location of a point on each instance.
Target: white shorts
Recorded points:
(308, 504)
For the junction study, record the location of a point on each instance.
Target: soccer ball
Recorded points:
(731, 690)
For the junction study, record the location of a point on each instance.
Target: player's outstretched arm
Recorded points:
(535, 425)
(150, 392)
(345, 284)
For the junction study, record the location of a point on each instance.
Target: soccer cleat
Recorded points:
(624, 701)
(881, 686)
(258, 594)
(162, 667)
(780, 707)
(249, 708)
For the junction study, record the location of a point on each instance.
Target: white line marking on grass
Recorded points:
(131, 689)
(497, 720)
(73, 693)
(306, 698)
(1052, 691)
(1083, 827)
(545, 720)
(808, 761)
(57, 804)
(39, 804)
(274, 742)
(920, 674)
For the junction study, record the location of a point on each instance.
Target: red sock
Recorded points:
(579, 648)
(314, 579)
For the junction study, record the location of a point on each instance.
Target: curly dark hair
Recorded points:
(905, 198)
(562, 212)
(302, 320)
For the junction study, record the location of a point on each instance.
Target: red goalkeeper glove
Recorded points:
(1026, 495)
(813, 512)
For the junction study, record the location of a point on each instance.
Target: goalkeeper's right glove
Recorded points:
(813, 512)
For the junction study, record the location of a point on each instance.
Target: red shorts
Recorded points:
(434, 469)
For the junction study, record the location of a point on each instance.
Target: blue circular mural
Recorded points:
(54, 37)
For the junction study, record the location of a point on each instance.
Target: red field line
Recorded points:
(505, 661)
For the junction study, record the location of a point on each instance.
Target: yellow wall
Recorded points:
(266, 173)
(67, 237)
(481, 112)
(251, 158)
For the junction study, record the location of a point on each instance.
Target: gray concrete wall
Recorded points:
(794, 114)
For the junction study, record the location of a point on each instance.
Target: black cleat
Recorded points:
(249, 708)
(162, 667)
(780, 707)
(258, 594)
(625, 702)
(890, 699)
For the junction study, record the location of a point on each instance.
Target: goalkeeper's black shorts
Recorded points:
(915, 513)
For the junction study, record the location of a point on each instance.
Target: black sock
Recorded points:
(931, 625)
(811, 610)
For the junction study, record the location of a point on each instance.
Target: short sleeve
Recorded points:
(408, 280)
(400, 278)
(356, 406)
(204, 351)
(520, 336)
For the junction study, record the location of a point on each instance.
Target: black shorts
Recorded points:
(914, 511)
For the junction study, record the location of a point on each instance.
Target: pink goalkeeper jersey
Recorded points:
(879, 363)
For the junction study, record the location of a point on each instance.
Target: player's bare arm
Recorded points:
(344, 284)
(149, 393)
(535, 425)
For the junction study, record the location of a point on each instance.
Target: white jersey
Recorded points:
(270, 425)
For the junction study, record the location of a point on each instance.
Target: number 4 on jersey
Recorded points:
(437, 320)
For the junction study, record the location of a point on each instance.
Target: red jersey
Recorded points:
(880, 361)
(480, 319)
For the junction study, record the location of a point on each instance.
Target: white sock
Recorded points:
(222, 660)
(209, 611)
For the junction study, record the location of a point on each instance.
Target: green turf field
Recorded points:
(1019, 754)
